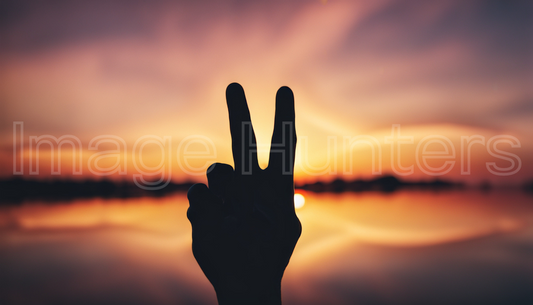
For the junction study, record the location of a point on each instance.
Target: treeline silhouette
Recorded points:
(17, 190)
(529, 186)
(381, 184)
(391, 184)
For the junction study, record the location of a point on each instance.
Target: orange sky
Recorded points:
(448, 68)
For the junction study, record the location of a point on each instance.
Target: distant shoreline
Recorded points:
(17, 190)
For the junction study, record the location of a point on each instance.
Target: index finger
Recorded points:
(243, 144)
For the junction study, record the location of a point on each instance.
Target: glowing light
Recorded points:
(299, 201)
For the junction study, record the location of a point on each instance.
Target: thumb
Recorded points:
(205, 209)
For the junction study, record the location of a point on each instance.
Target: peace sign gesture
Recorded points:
(244, 225)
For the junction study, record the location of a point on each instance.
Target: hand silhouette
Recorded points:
(244, 226)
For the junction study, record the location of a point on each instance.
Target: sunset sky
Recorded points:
(135, 68)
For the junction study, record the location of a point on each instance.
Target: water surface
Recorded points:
(462, 247)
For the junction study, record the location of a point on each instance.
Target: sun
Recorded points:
(299, 201)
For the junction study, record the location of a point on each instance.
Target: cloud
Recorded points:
(133, 68)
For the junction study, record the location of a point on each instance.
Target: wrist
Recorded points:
(263, 296)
